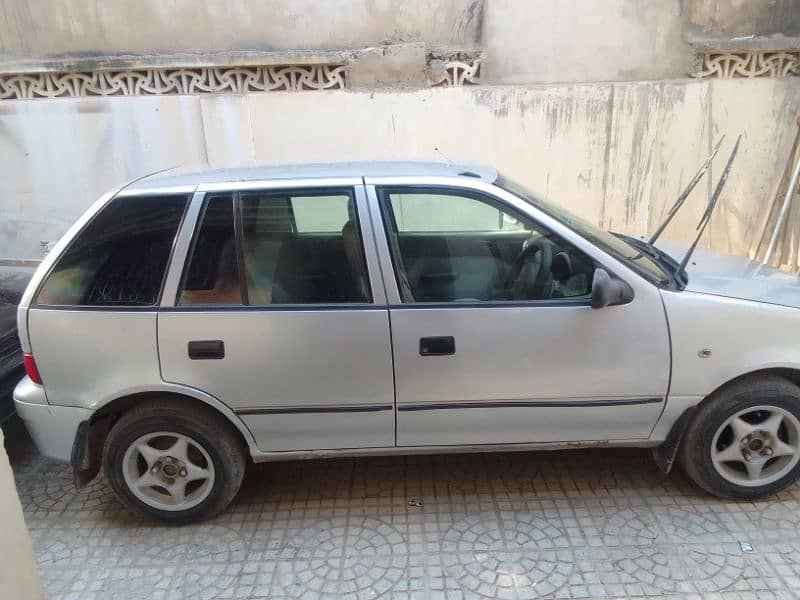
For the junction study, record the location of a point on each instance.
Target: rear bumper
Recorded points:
(52, 428)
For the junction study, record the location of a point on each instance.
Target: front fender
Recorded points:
(716, 339)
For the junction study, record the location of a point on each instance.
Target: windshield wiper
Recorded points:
(712, 203)
(685, 193)
(646, 248)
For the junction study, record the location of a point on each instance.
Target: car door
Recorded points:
(280, 314)
(490, 345)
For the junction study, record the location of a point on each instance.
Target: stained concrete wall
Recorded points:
(526, 42)
(53, 28)
(584, 40)
(741, 18)
(617, 154)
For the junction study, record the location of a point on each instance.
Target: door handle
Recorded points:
(206, 349)
(437, 346)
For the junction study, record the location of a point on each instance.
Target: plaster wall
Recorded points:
(616, 154)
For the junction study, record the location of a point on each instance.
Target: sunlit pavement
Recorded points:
(579, 524)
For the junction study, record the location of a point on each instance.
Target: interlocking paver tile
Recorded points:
(581, 524)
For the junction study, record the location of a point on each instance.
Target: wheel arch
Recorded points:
(790, 373)
(665, 453)
(91, 435)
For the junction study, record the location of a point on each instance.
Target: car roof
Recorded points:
(192, 176)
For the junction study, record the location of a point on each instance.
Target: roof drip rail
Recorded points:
(685, 193)
(712, 203)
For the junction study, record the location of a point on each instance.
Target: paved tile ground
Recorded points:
(579, 524)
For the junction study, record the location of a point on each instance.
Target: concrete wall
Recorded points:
(584, 40)
(526, 42)
(53, 28)
(618, 154)
(741, 18)
(18, 576)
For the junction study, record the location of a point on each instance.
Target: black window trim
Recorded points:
(236, 194)
(122, 307)
(387, 217)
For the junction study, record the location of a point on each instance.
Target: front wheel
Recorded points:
(174, 462)
(744, 443)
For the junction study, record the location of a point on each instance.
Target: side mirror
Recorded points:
(608, 290)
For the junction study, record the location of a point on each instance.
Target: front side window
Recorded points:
(279, 248)
(120, 258)
(460, 246)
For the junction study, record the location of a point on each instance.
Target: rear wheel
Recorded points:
(744, 443)
(174, 462)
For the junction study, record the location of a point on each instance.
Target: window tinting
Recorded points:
(302, 248)
(417, 212)
(461, 247)
(120, 258)
(212, 276)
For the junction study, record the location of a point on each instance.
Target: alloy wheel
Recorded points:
(168, 471)
(756, 446)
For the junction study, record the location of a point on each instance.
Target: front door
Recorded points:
(493, 337)
(275, 316)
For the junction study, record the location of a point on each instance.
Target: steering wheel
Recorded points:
(531, 276)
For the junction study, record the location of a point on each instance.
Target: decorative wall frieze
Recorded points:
(457, 72)
(170, 81)
(757, 63)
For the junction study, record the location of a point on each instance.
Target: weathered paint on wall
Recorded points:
(617, 154)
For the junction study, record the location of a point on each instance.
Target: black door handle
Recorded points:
(437, 346)
(206, 349)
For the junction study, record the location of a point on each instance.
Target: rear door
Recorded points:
(494, 339)
(280, 314)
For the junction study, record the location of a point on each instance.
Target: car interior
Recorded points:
(520, 263)
(285, 264)
(119, 259)
(282, 265)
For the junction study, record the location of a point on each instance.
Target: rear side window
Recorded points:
(287, 247)
(120, 258)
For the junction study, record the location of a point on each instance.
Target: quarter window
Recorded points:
(120, 257)
(459, 246)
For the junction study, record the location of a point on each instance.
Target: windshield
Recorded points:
(633, 257)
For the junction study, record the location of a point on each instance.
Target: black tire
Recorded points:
(695, 452)
(217, 437)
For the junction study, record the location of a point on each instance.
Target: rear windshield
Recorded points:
(120, 258)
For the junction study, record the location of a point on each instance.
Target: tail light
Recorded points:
(30, 368)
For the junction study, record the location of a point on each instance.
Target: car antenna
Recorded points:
(701, 226)
(685, 193)
(450, 162)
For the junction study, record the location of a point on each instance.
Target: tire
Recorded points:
(174, 449)
(730, 448)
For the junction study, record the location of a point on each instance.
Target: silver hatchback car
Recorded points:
(190, 321)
